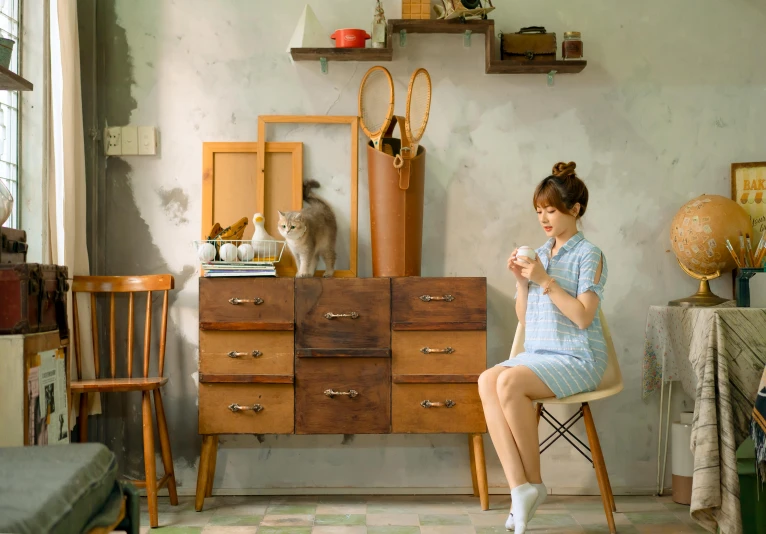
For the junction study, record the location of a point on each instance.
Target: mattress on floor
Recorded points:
(55, 488)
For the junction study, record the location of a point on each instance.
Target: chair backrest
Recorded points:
(612, 378)
(131, 285)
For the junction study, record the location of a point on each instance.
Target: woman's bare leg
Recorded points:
(517, 387)
(498, 428)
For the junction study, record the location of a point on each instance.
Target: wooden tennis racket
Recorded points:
(418, 109)
(376, 103)
(413, 124)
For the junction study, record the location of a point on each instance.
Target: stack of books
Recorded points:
(225, 269)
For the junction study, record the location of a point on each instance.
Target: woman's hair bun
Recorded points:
(564, 169)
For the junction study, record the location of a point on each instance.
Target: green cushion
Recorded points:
(55, 488)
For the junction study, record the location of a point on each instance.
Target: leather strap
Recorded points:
(532, 29)
(61, 312)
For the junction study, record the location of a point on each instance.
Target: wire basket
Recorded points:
(265, 252)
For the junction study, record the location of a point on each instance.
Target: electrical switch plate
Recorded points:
(147, 140)
(113, 141)
(129, 141)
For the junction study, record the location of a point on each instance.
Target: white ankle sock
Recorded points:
(522, 501)
(542, 494)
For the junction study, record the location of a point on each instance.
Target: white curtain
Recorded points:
(66, 174)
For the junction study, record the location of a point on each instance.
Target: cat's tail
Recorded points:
(309, 196)
(308, 185)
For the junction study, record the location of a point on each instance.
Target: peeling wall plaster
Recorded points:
(669, 99)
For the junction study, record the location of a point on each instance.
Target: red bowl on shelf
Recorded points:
(350, 38)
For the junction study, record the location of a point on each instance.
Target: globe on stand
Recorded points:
(698, 235)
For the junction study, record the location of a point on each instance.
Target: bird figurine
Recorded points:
(264, 245)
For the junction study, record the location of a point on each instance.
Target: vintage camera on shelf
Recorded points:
(464, 9)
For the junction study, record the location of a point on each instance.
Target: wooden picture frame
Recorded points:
(351, 121)
(241, 190)
(748, 189)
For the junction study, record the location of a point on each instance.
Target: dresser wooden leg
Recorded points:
(211, 474)
(203, 472)
(481, 469)
(472, 461)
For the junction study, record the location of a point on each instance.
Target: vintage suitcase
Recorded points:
(13, 246)
(528, 44)
(33, 299)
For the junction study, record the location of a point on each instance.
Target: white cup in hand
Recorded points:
(527, 252)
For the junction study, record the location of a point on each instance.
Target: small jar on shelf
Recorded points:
(571, 47)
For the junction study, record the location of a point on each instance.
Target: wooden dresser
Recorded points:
(341, 356)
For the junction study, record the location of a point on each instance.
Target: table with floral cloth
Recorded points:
(718, 354)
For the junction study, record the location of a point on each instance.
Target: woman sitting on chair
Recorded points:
(558, 299)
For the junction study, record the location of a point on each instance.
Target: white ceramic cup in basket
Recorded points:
(527, 252)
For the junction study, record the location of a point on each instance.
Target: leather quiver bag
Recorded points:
(532, 43)
(396, 209)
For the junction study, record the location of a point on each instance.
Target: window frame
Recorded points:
(11, 104)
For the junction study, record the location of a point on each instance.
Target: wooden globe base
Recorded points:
(703, 297)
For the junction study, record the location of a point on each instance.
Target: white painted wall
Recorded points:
(672, 95)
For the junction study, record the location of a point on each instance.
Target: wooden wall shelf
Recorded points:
(10, 81)
(342, 54)
(492, 64)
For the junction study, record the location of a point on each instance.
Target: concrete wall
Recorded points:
(671, 96)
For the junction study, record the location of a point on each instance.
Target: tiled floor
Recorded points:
(412, 515)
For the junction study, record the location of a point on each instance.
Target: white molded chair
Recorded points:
(611, 384)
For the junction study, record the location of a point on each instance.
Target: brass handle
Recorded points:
(237, 408)
(254, 354)
(429, 298)
(428, 350)
(329, 315)
(236, 301)
(351, 393)
(428, 404)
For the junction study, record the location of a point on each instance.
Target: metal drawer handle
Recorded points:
(428, 350)
(428, 404)
(237, 408)
(236, 301)
(254, 354)
(351, 393)
(329, 315)
(429, 298)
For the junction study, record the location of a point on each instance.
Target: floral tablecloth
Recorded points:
(669, 334)
(718, 355)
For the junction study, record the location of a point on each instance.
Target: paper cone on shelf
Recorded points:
(309, 32)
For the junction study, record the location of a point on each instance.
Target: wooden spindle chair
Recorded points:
(146, 384)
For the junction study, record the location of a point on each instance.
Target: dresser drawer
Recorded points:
(274, 415)
(343, 314)
(411, 417)
(439, 303)
(246, 304)
(439, 352)
(363, 405)
(248, 353)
